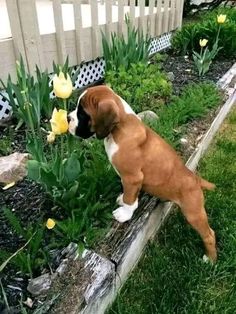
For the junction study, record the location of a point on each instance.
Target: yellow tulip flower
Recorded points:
(62, 86)
(51, 137)
(59, 123)
(221, 18)
(50, 224)
(203, 42)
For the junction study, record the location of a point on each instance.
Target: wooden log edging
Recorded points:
(109, 274)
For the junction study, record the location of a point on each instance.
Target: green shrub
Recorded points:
(143, 87)
(123, 51)
(187, 38)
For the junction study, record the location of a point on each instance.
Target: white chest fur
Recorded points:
(110, 147)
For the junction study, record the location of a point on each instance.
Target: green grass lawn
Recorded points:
(171, 276)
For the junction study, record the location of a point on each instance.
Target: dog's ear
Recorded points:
(106, 117)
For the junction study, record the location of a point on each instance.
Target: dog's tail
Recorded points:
(207, 185)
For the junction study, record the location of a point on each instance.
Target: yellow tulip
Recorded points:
(59, 123)
(62, 86)
(50, 224)
(221, 18)
(203, 42)
(51, 137)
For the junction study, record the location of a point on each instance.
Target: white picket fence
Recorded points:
(43, 31)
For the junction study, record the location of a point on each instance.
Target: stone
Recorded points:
(40, 285)
(183, 141)
(170, 76)
(13, 167)
(29, 302)
(148, 116)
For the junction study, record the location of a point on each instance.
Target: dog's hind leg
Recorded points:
(192, 207)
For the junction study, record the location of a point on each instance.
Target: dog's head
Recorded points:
(97, 113)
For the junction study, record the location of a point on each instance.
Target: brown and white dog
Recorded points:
(142, 159)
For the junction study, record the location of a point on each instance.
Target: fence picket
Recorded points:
(120, 16)
(94, 30)
(132, 11)
(78, 30)
(159, 15)
(60, 35)
(108, 24)
(142, 24)
(151, 19)
(166, 16)
(16, 31)
(172, 15)
(31, 35)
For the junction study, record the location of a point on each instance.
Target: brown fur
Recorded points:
(145, 161)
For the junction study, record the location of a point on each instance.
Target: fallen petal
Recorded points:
(9, 185)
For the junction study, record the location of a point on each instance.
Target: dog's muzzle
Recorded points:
(79, 123)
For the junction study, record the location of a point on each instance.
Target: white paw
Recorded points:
(206, 259)
(123, 214)
(119, 200)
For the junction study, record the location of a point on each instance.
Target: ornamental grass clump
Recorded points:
(124, 52)
(29, 97)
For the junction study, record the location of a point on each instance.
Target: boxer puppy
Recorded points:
(142, 159)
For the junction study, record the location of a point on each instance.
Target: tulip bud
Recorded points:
(221, 18)
(203, 42)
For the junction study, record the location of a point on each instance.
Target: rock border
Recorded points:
(108, 274)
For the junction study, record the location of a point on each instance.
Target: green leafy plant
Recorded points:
(204, 59)
(186, 40)
(143, 87)
(124, 52)
(59, 176)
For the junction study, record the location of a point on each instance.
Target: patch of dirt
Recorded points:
(185, 72)
(195, 131)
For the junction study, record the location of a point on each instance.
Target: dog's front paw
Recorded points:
(123, 214)
(119, 200)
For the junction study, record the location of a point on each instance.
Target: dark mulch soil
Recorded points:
(28, 200)
(185, 72)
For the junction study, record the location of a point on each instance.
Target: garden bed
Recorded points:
(29, 208)
(71, 181)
